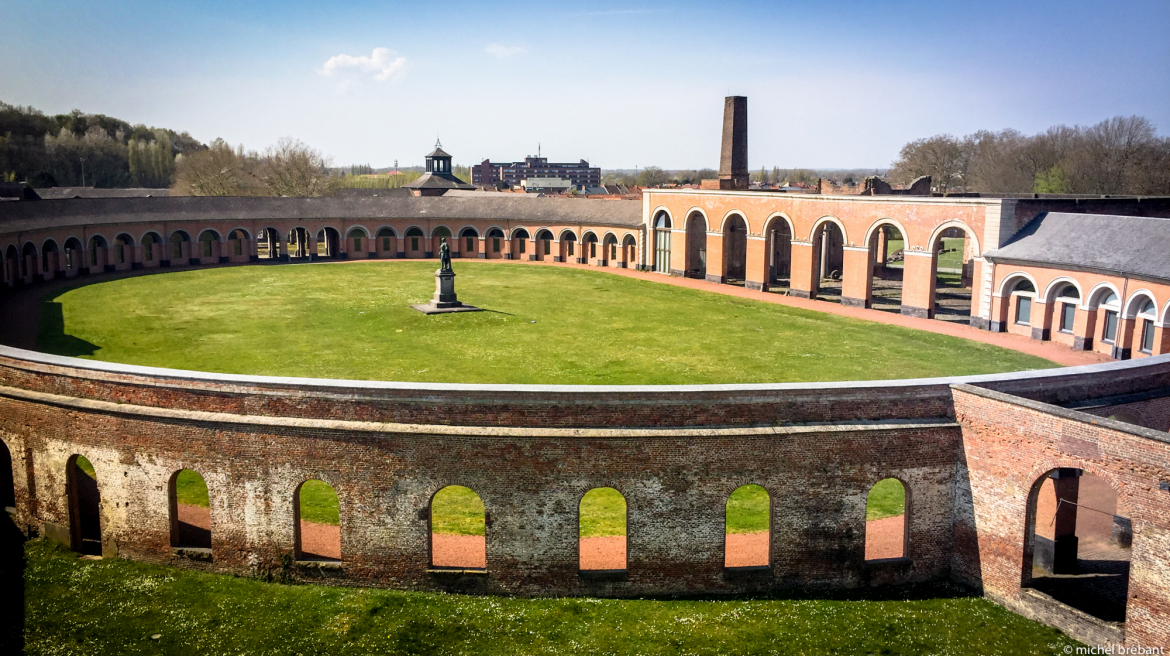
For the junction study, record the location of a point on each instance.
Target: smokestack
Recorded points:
(733, 160)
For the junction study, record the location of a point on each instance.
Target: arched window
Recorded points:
(414, 235)
(1023, 292)
(384, 236)
(190, 511)
(885, 520)
(1146, 315)
(497, 236)
(97, 251)
(85, 517)
(356, 234)
(748, 528)
(1110, 305)
(318, 521)
(662, 243)
(205, 239)
(458, 529)
(177, 239)
(1066, 302)
(48, 256)
(602, 530)
(7, 483)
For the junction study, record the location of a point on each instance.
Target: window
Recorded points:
(470, 244)
(1023, 309)
(385, 243)
(1109, 333)
(547, 247)
(1147, 336)
(613, 251)
(357, 243)
(414, 243)
(1068, 313)
(522, 247)
(592, 249)
(495, 244)
(570, 248)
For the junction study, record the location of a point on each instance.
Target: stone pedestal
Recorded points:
(444, 300)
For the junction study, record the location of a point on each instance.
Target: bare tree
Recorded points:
(942, 157)
(216, 171)
(290, 168)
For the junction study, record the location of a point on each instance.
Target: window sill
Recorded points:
(1065, 332)
(604, 574)
(324, 565)
(457, 571)
(192, 553)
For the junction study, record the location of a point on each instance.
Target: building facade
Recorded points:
(580, 174)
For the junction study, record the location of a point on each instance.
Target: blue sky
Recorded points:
(634, 84)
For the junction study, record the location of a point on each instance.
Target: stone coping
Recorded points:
(166, 376)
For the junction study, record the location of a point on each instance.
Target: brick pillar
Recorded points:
(800, 283)
(756, 266)
(1084, 325)
(1123, 345)
(918, 284)
(715, 258)
(1161, 339)
(1067, 483)
(857, 277)
(1042, 319)
(678, 252)
(311, 247)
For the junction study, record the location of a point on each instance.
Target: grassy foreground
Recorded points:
(73, 606)
(544, 325)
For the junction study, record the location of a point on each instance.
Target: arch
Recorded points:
(495, 231)
(694, 213)
(208, 240)
(828, 240)
(947, 225)
(662, 219)
(1137, 301)
(602, 520)
(238, 233)
(49, 246)
(589, 237)
(151, 242)
(85, 516)
(469, 231)
(812, 235)
(1009, 282)
(735, 233)
(885, 271)
(458, 529)
(696, 265)
(7, 479)
(567, 235)
(268, 240)
(887, 520)
(441, 231)
(73, 251)
(609, 238)
(177, 239)
(328, 242)
(357, 231)
(208, 234)
(1058, 287)
(747, 527)
(386, 231)
(125, 238)
(414, 231)
(49, 257)
(887, 221)
(190, 510)
(662, 225)
(519, 233)
(1055, 527)
(543, 234)
(317, 521)
(731, 214)
(1166, 314)
(1100, 294)
(121, 242)
(386, 241)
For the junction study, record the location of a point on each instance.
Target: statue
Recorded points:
(444, 256)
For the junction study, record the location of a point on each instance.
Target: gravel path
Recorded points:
(746, 549)
(458, 550)
(884, 538)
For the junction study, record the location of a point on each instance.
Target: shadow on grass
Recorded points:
(894, 592)
(51, 336)
(12, 565)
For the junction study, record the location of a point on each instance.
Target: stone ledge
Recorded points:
(604, 574)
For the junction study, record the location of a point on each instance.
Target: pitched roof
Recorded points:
(1131, 245)
(438, 181)
(438, 152)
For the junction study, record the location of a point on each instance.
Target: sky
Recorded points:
(829, 85)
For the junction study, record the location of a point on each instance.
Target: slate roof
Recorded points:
(534, 212)
(1132, 245)
(438, 181)
(438, 152)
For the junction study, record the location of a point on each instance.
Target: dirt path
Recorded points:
(885, 538)
(458, 550)
(746, 549)
(603, 553)
(320, 541)
(194, 526)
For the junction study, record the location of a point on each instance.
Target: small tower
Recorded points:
(438, 177)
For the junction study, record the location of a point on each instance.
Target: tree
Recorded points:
(652, 176)
(216, 171)
(942, 157)
(290, 168)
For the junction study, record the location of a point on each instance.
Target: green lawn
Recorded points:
(545, 325)
(113, 607)
(457, 509)
(887, 498)
(748, 510)
(191, 489)
(952, 257)
(602, 513)
(319, 503)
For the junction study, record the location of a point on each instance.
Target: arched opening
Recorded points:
(98, 258)
(1064, 302)
(72, 260)
(734, 250)
(238, 243)
(151, 247)
(886, 528)
(544, 239)
(954, 269)
(414, 242)
(520, 239)
(1078, 543)
(602, 516)
(298, 243)
(28, 262)
(11, 264)
(495, 243)
(629, 250)
(568, 247)
(123, 249)
(469, 242)
(779, 249)
(1106, 307)
(748, 528)
(180, 246)
(886, 248)
(208, 244)
(1142, 314)
(662, 243)
(49, 263)
(828, 261)
(328, 243)
(7, 480)
(458, 529)
(609, 248)
(356, 243)
(696, 246)
(85, 515)
(437, 236)
(387, 242)
(268, 244)
(318, 521)
(1023, 296)
(589, 247)
(190, 511)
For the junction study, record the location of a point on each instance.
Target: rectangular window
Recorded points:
(207, 249)
(148, 252)
(357, 244)
(68, 258)
(1147, 336)
(1023, 309)
(522, 246)
(414, 243)
(239, 246)
(119, 253)
(592, 249)
(547, 247)
(570, 248)
(470, 244)
(613, 251)
(1068, 314)
(385, 243)
(495, 244)
(1109, 333)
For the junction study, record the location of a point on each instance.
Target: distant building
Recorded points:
(438, 178)
(580, 175)
(547, 184)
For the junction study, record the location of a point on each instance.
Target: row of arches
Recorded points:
(458, 522)
(826, 264)
(1099, 315)
(49, 259)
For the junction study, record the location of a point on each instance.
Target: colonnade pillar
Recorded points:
(715, 271)
(918, 284)
(756, 264)
(802, 276)
(856, 277)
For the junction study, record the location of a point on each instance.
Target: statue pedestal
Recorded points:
(444, 300)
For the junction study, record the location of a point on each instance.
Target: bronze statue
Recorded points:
(444, 256)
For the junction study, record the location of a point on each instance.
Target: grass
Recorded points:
(319, 503)
(191, 489)
(951, 258)
(457, 510)
(748, 510)
(86, 466)
(602, 513)
(545, 325)
(887, 498)
(114, 606)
